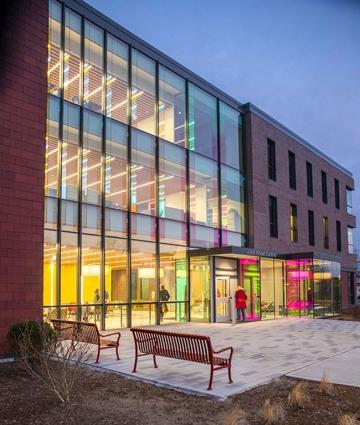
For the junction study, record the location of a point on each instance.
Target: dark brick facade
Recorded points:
(23, 35)
(258, 130)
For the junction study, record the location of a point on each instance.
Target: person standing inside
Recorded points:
(240, 298)
(97, 302)
(164, 296)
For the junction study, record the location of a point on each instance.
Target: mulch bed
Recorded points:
(104, 398)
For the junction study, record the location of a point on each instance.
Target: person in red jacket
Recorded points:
(240, 298)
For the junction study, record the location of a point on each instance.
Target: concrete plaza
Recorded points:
(263, 351)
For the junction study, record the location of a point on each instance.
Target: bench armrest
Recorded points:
(225, 349)
(111, 334)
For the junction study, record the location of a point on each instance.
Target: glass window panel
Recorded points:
(202, 122)
(115, 316)
(72, 57)
(51, 210)
(69, 216)
(143, 173)
(172, 232)
(115, 223)
(204, 237)
(92, 158)
(117, 79)
(69, 268)
(230, 136)
(200, 289)
(143, 93)
(323, 298)
(52, 148)
(143, 227)
(116, 181)
(171, 107)
(143, 314)
(91, 219)
(90, 271)
(232, 198)
(49, 289)
(349, 200)
(172, 182)
(249, 270)
(232, 238)
(204, 199)
(116, 281)
(71, 123)
(173, 274)
(350, 235)
(54, 48)
(93, 67)
(143, 271)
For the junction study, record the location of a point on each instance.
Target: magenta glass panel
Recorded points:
(250, 280)
(299, 295)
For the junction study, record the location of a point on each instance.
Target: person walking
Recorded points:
(164, 296)
(240, 298)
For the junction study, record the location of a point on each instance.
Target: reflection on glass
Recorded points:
(204, 201)
(93, 67)
(250, 280)
(52, 148)
(69, 216)
(143, 227)
(143, 271)
(171, 231)
(323, 288)
(142, 173)
(116, 165)
(91, 158)
(267, 289)
(173, 273)
(116, 316)
(72, 55)
(69, 268)
(143, 93)
(117, 79)
(143, 314)
(91, 219)
(115, 223)
(116, 285)
(200, 289)
(230, 136)
(232, 199)
(49, 288)
(54, 57)
(50, 213)
(299, 293)
(172, 182)
(90, 274)
(203, 237)
(171, 107)
(202, 122)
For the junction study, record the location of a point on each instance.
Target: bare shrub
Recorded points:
(298, 395)
(55, 363)
(236, 417)
(326, 387)
(348, 420)
(272, 412)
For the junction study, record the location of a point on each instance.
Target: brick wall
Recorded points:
(23, 35)
(260, 187)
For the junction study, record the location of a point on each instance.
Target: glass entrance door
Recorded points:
(250, 280)
(222, 307)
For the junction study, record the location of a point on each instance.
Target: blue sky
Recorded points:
(298, 60)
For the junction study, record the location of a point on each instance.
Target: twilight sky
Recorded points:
(297, 60)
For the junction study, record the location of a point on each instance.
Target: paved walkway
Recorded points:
(263, 351)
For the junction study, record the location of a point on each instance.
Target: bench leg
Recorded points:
(229, 373)
(135, 363)
(211, 379)
(155, 364)
(117, 352)
(98, 355)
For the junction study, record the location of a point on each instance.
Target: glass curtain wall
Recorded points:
(299, 291)
(249, 269)
(137, 173)
(272, 289)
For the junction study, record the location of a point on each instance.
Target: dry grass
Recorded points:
(236, 417)
(298, 395)
(326, 387)
(272, 412)
(348, 420)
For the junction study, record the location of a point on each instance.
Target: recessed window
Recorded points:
(325, 223)
(271, 160)
(293, 223)
(311, 226)
(309, 179)
(273, 219)
(324, 187)
(292, 171)
(338, 235)
(337, 194)
(350, 234)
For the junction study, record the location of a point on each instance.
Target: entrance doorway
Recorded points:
(225, 287)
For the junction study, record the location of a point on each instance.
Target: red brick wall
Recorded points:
(260, 187)
(23, 35)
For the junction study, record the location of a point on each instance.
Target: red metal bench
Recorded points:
(193, 348)
(88, 333)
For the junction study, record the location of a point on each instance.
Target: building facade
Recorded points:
(161, 193)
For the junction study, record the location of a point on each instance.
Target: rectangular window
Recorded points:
(338, 235)
(324, 187)
(292, 170)
(351, 285)
(273, 219)
(54, 48)
(271, 160)
(143, 104)
(232, 199)
(293, 223)
(309, 179)
(52, 148)
(171, 107)
(350, 234)
(348, 200)
(325, 223)
(230, 136)
(311, 226)
(337, 194)
(72, 57)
